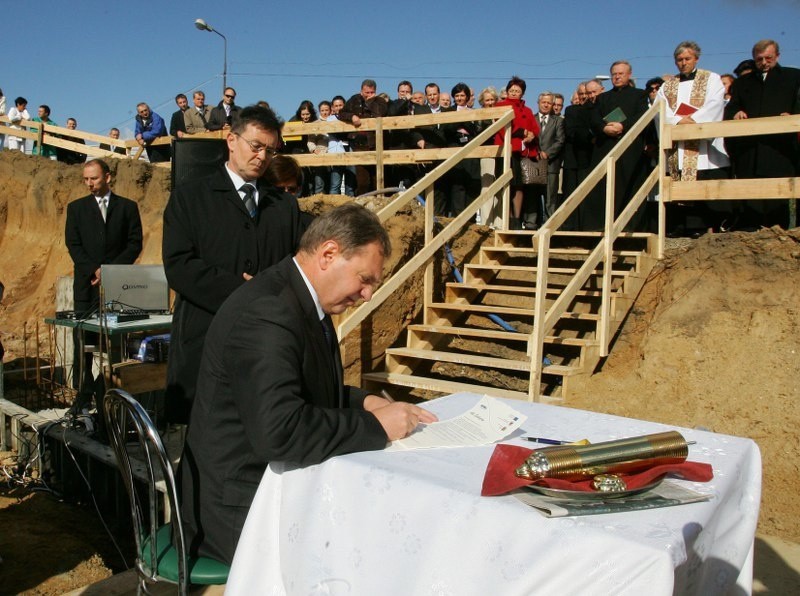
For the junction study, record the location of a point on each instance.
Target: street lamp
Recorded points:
(203, 26)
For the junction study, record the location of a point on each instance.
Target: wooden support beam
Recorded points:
(739, 189)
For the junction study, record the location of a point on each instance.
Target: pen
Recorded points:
(386, 396)
(546, 441)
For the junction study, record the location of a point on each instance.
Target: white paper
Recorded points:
(489, 421)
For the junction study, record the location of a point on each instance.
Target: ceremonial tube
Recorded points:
(576, 462)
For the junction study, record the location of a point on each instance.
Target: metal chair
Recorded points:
(160, 551)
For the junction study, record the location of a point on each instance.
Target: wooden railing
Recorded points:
(723, 190)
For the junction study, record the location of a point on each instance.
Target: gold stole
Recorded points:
(697, 98)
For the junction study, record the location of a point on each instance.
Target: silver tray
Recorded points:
(582, 495)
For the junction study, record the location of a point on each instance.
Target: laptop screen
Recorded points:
(134, 287)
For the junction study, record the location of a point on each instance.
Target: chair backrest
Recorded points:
(123, 415)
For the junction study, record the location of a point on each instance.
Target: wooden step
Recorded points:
(512, 289)
(528, 250)
(461, 358)
(533, 270)
(505, 310)
(481, 360)
(497, 334)
(443, 386)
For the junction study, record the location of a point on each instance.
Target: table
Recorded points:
(414, 522)
(154, 323)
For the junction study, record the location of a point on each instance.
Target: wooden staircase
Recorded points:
(478, 339)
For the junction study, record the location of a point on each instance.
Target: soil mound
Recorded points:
(713, 342)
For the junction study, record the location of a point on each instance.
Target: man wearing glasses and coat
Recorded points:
(220, 231)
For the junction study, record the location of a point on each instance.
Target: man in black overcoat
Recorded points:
(614, 113)
(270, 385)
(770, 90)
(101, 228)
(217, 237)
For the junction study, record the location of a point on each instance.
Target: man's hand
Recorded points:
(686, 120)
(247, 276)
(399, 419)
(356, 121)
(740, 115)
(96, 278)
(613, 129)
(543, 154)
(421, 143)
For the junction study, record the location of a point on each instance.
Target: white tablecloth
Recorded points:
(414, 523)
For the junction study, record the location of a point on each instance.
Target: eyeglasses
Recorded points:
(231, 96)
(258, 147)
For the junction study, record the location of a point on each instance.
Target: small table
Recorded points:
(414, 523)
(153, 323)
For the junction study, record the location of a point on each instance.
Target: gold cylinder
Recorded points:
(577, 462)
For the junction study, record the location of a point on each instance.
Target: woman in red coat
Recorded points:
(524, 142)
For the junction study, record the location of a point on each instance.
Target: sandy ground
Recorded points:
(712, 341)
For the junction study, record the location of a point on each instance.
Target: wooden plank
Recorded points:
(739, 189)
(511, 289)
(530, 269)
(735, 128)
(394, 122)
(529, 250)
(480, 333)
(460, 358)
(507, 310)
(444, 386)
(392, 156)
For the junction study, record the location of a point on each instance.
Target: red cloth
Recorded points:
(523, 120)
(500, 477)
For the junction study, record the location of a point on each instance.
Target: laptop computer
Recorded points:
(134, 288)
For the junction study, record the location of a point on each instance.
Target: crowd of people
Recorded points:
(562, 143)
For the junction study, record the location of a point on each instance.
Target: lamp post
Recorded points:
(203, 26)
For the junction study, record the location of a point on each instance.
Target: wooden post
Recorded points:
(536, 341)
(506, 166)
(664, 184)
(379, 153)
(608, 240)
(428, 277)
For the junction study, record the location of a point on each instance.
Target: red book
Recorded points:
(685, 109)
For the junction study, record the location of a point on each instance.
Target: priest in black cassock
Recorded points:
(615, 112)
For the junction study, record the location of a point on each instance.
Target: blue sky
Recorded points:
(95, 60)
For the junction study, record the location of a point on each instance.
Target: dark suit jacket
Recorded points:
(551, 141)
(772, 155)
(209, 242)
(269, 390)
(177, 123)
(219, 118)
(91, 242)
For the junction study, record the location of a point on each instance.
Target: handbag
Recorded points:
(533, 172)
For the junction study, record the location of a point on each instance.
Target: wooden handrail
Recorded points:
(730, 128)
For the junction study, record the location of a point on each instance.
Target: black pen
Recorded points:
(546, 441)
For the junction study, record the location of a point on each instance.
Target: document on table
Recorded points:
(487, 422)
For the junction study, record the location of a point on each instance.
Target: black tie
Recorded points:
(249, 200)
(333, 348)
